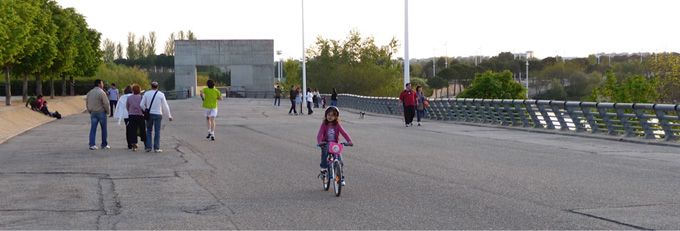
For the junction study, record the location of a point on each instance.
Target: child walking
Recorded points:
(330, 131)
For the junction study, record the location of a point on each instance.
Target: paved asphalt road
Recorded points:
(261, 174)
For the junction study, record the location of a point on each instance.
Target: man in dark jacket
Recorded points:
(293, 94)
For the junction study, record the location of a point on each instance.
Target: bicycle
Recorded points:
(334, 169)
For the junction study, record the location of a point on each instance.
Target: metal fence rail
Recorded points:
(648, 121)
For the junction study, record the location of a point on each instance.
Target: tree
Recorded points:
(109, 52)
(142, 48)
(437, 83)
(152, 44)
(131, 47)
(180, 35)
(40, 56)
(88, 57)
(355, 65)
(493, 85)
(666, 68)
(170, 45)
(15, 26)
(66, 21)
(293, 73)
(635, 89)
(119, 51)
(191, 35)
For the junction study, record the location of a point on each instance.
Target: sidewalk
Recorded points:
(18, 118)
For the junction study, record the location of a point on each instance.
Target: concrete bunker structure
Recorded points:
(251, 62)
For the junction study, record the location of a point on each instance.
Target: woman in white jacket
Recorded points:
(121, 112)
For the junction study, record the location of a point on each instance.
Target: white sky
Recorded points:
(436, 27)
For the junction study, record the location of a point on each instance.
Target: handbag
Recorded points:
(147, 111)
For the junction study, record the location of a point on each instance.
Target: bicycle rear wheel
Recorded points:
(337, 178)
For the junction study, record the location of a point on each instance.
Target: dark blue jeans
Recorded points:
(420, 114)
(324, 157)
(154, 123)
(98, 118)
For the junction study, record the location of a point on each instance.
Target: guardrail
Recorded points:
(648, 121)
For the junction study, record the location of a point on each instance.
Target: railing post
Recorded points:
(544, 113)
(559, 114)
(643, 118)
(602, 109)
(521, 113)
(663, 121)
(575, 118)
(532, 114)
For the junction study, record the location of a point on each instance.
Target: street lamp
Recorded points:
(304, 59)
(280, 66)
(527, 74)
(406, 61)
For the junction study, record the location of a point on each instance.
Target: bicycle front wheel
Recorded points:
(325, 179)
(337, 178)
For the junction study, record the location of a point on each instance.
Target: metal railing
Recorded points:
(648, 121)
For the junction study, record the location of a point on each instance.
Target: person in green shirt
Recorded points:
(210, 96)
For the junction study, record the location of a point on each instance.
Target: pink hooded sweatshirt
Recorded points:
(334, 130)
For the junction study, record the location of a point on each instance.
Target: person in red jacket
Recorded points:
(408, 99)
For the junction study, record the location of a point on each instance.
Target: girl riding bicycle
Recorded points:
(330, 131)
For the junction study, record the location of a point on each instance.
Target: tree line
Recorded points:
(142, 52)
(641, 78)
(42, 39)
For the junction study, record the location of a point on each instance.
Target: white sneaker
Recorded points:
(106, 147)
(158, 150)
(93, 147)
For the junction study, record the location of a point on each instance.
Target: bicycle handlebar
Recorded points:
(343, 143)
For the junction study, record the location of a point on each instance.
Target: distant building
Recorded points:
(524, 55)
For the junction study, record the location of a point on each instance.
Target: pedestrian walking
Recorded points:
(136, 125)
(292, 96)
(421, 102)
(97, 104)
(408, 99)
(113, 97)
(298, 98)
(155, 104)
(334, 98)
(121, 113)
(277, 96)
(310, 99)
(210, 96)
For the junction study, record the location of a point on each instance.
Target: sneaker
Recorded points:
(148, 150)
(134, 147)
(158, 150)
(209, 135)
(106, 147)
(212, 138)
(93, 147)
(342, 182)
(418, 124)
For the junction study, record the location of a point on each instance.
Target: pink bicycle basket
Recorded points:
(335, 148)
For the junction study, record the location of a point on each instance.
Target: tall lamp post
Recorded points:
(406, 61)
(279, 70)
(527, 65)
(304, 59)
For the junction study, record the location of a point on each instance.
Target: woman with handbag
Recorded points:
(421, 103)
(136, 122)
